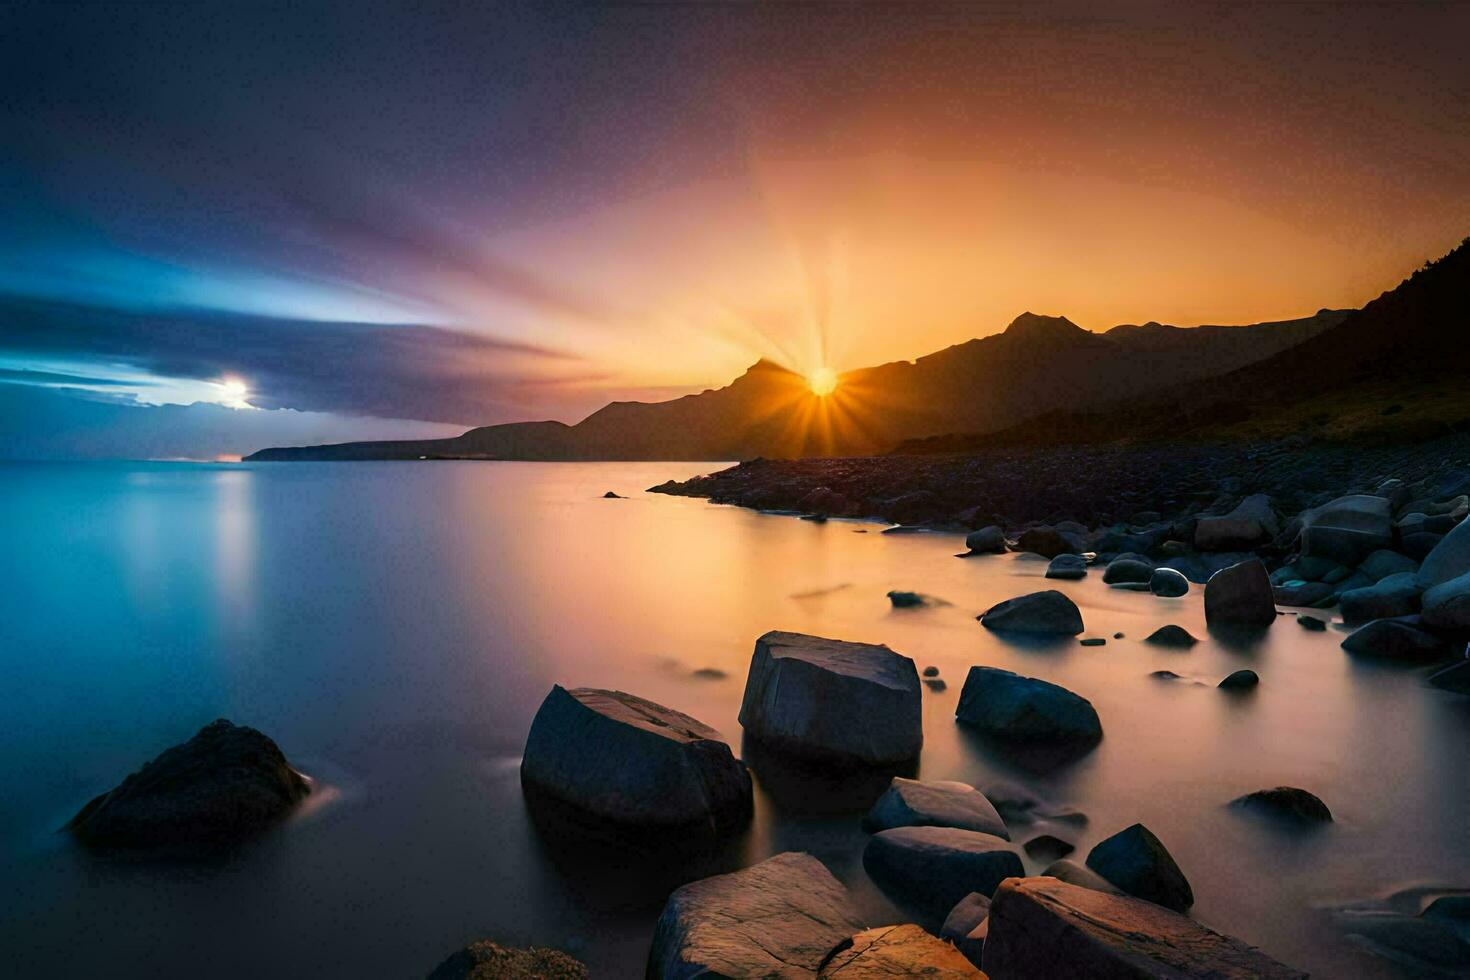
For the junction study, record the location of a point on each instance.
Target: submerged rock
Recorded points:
(1168, 583)
(965, 926)
(1139, 863)
(1046, 847)
(1399, 639)
(833, 700)
(778, 918)
(899, 951)
(1171, 636)
(931, 868)
(633, 762)
(1241, 680)
(905, 600)
(486, 960)
(1011, 706)
(1048, 612)
(1240, 597)
(1067, 566)
(224, 785)
(1286, 801)
(912, 803)
(1045, 927)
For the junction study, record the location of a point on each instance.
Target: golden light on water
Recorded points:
(823, 381)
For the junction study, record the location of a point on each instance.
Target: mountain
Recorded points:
(1039, 364)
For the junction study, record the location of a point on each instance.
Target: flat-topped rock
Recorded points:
(914, 803)
(1240, 597)
(929, 869)
(628, 760)
(1048, 612)
(1011, 706)
(899, 951)
(1045, 927)
(224, 785)
(1139, 863)
(833, 700)
(780, 918)
(486, 960)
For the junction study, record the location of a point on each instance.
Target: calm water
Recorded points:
(394, 627)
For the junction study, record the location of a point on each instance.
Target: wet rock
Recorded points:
(224, 785)
(987, 540)
(1447, 605)
(965, 926)
(1011, 706)
(853, 703)
(486, 960)
(1250, 525)
(1123, 571)
(1047, 542)
(1139, 864)
(1048, 612)
(630, 761)
(1393, 595)
(905, 600)
(912, 803)
(1168, 583)
(1083, 877)
(779, 918)
(1046, 847)
(1094, 641)
(1239, 597)
(1176, 637)
(1286, 801)
(931, 868)
(1347, 529)
(899, 951)
(1067, 567)
(1455, 677)
(1398, 639)
(1045, 927)
(1241, 680)
(1450, 558)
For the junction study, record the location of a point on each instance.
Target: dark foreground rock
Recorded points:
(490, 961)
(832, 700)
(913, 803)
(1139, 863)
(1044, 927)
(779, 918)
(1288, 802)
(899, 951)
(929, 869)
(633, 762)
(1048, 612)
(1240, 598)
(224, 785)
(1009, 706)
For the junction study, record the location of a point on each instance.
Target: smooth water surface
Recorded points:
(394, 627)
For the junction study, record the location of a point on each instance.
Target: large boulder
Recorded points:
(899, 951)
(1043, 927)
(1048, 612)
(1348, 529)
(1010, 706)
(929, 869)
(1450, 558)
(1401, 639)
(1139, 863)
(832, 700)
(1447, 605)
(987, 540)
(226, 784)
(912, 803)
(779, 918)
(965, 926)
(1068, 566)
(1240, 597)
(486, 960)
(1251, 524)
(1393, 595)
(632, 762)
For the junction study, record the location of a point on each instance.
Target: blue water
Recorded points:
(394, 626)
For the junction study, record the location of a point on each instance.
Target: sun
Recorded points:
(823, 381)
(234, 392)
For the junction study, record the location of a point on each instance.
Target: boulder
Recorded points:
(1168, 583)
(1240, 597)
(1138, 863)
(1067, 566)
(987, 540)
(1080, 875)
(1045, 927)
(1176, 637)
(1250, 525)
(905, 600)
(491, 961)
(1447, 605)
(1048, 612)
(635, 763)
(1399, 639)
(1122, 571)
(224, 785)
(1393, 595)
(1011, 706)
(912, 803)
(1348, 529)
(1383, 563)
(1240, 680)
(1286, 801)
(1047, 542)
(929, 869)
(965, 926)
(778, 918)
(899, 951)
(853, 703)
